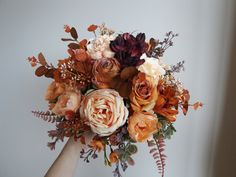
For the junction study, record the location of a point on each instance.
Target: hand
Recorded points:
(64, 165)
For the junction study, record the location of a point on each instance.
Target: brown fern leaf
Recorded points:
(157, 147)
(46, 116)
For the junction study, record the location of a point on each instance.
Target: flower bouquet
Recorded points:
(118, 87)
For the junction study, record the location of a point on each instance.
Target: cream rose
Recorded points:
(151, 67)
(69, 101)
(105, 111)
(100, 47)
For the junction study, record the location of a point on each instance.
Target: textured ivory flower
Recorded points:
(69, 101)
(105, 111)
(104, 71)
(151, 67)
(142, 125)
(100, 47)
(54, 90)
(144, 93)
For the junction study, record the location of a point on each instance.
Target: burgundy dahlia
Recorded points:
(128, 49)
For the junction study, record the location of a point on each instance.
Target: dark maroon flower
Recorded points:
(128, 49)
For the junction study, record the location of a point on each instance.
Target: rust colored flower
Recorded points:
(114, 157)
(92, 28)
(32, 61)
(67, 28)
(184, 101)
(144, 93)
(69, 115)
(71, 70)
(197, 105)
(54, 90)
(97, 145)
(142, 125)
(80, 55)
(167, 103)
(104, 72)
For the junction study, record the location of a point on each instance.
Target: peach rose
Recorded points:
(54, 90)
(105, 111)
(142, 125)
(104, 71)
(68, 101)
(144, 93)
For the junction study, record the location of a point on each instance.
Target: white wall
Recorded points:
(29, 26)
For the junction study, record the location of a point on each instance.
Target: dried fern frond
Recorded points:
(47, 116)
(157, 147)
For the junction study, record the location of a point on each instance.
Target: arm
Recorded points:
(64, 165)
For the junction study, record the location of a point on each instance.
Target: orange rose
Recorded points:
(69, 101)
(113, 157)
(54, 90)
(144, 93)
(142, 125)
(104, 71)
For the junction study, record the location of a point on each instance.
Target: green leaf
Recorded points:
(132, 148)
(125, 157)
(166, 131)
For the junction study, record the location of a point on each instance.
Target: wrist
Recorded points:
(76, 145)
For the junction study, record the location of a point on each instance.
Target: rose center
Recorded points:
(143, 90)
(103, 113)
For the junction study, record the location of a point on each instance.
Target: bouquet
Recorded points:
(118, 87)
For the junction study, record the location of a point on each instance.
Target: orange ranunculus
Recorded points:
(144, 93)
(167, 103)
(113, 157)
(104, 71)
(142, 125)
(54, 90)
(97, 145)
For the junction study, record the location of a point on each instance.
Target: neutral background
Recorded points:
(204, 145)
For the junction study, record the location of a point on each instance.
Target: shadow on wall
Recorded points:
(225, 154)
